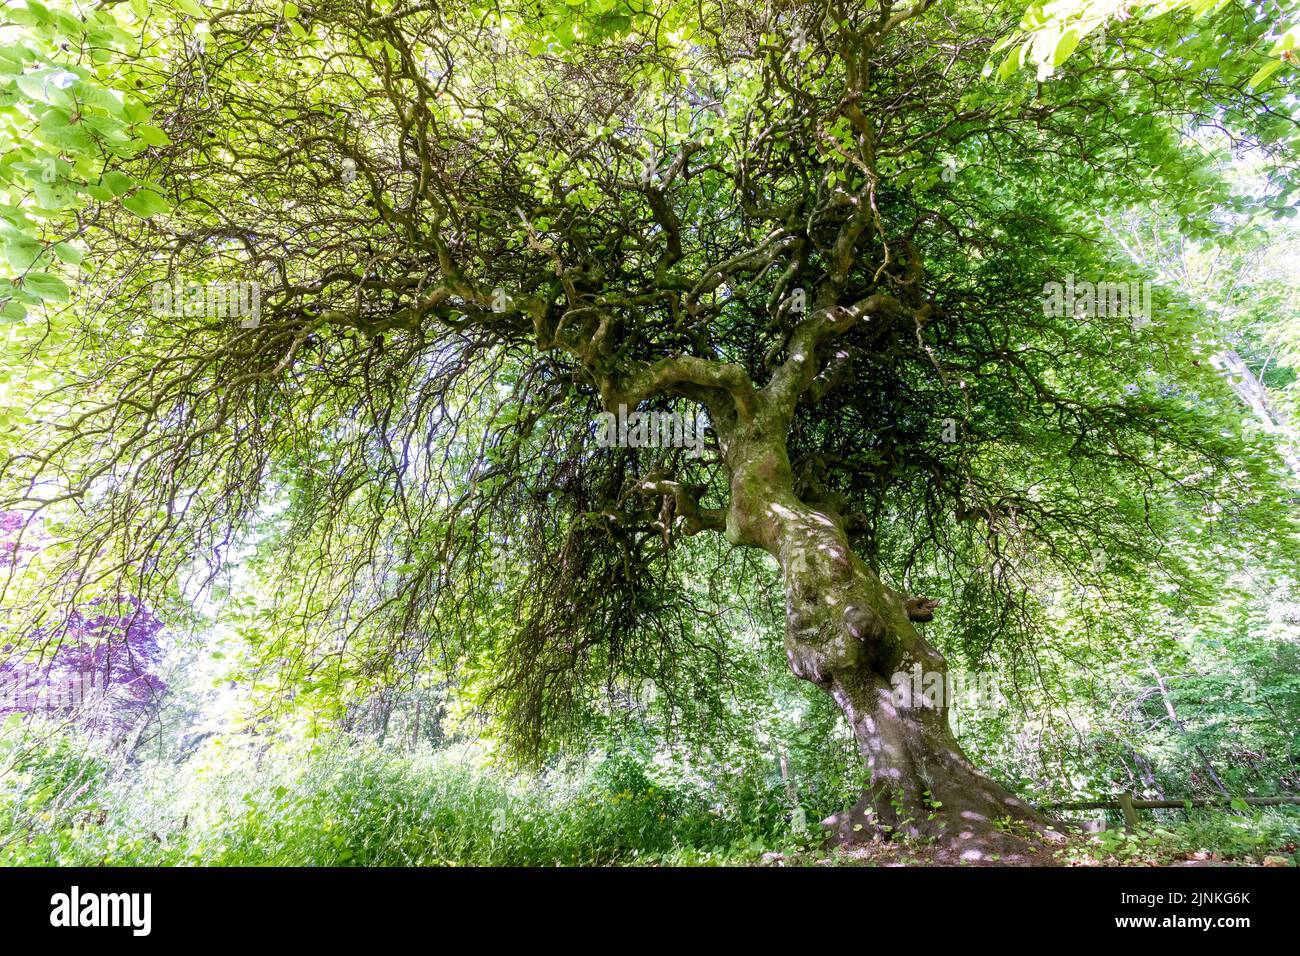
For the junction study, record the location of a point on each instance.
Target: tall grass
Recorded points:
(357, 805)
(241, 801)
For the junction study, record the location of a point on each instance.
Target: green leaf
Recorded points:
(118, 182)
(21, 252)
(68, 252)
(102, 193)
(13, 310)
(34, 86)
(152, 135)
(145, 203)
(1065, 46)
(101, 99)
(1014, 58)
(48, 287)
(1263, 73)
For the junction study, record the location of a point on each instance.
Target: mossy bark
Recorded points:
(850, 635)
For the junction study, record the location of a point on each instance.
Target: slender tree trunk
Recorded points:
(787, 781)
(1182, 728)
(850, 635)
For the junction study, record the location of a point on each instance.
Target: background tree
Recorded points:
(97, 672)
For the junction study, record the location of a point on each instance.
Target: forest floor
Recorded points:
(1078, 851)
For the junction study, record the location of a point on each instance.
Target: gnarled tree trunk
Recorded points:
(851, 635)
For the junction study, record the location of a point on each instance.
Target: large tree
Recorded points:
(828, 227)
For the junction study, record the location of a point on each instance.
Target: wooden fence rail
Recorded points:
(1130, 804)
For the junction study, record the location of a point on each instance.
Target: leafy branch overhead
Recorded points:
(1216, 33)
(69, 119)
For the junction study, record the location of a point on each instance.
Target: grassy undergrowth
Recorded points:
(366, 807)
(64, 803)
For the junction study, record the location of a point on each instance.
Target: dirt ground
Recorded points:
(1077, 850)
